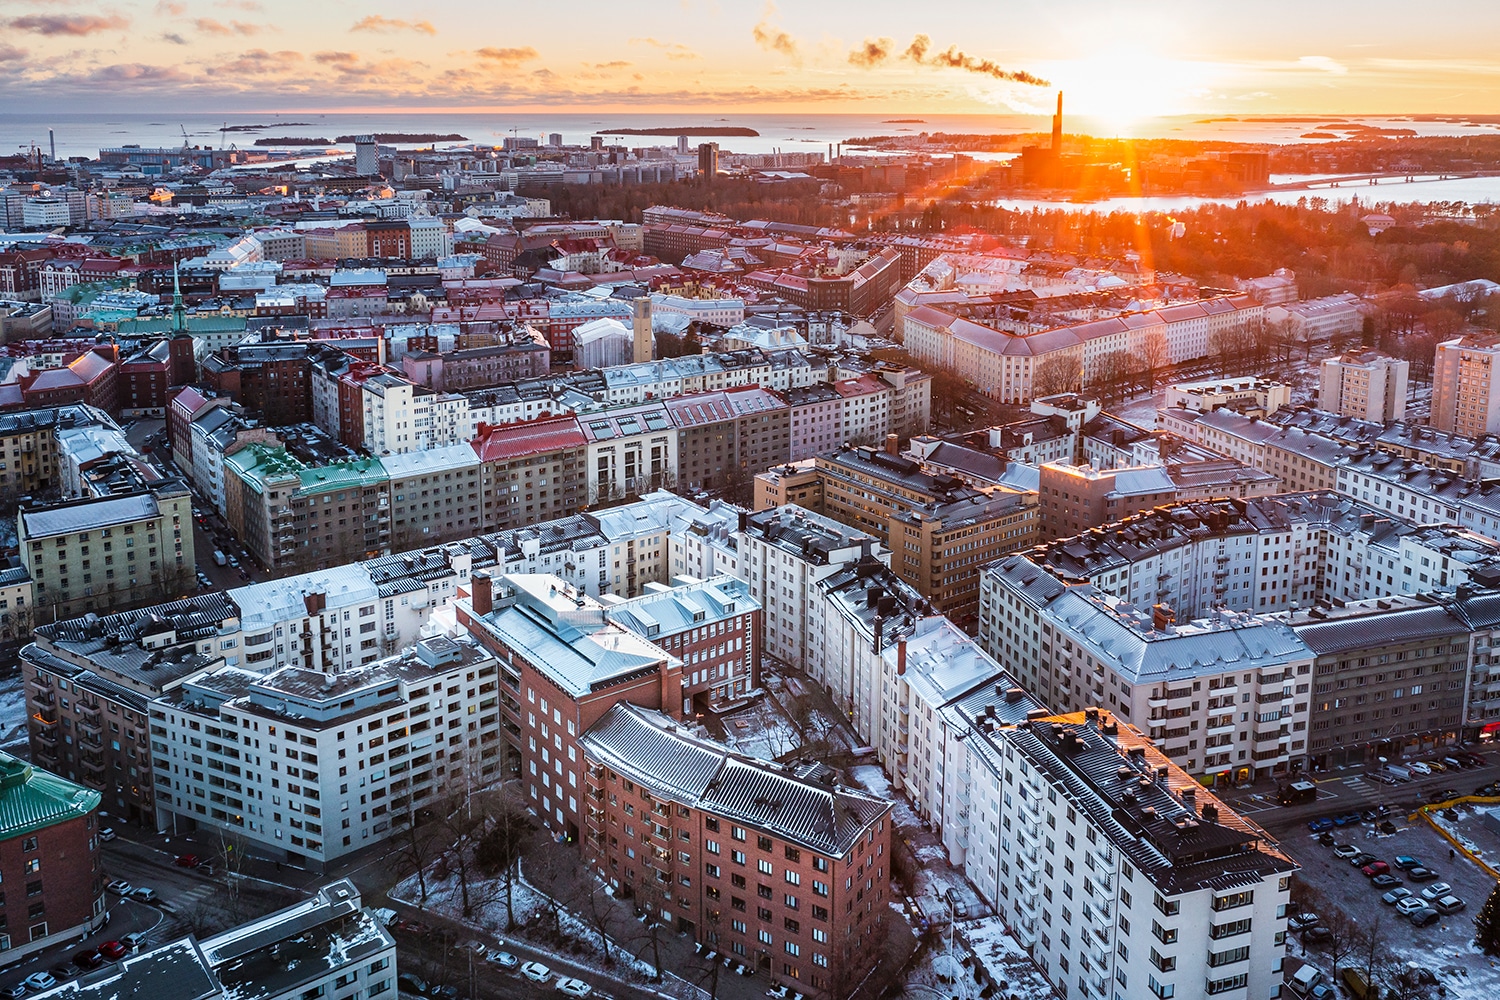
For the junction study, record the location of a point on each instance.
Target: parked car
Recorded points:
(1385, 881)
(141, 894)
(134, 939)
(412, 984)
(1424, 916)
(1436, 890)
(40, 981)
(1301, 921)
(1418, 767)
(88, 958)
(1406, 862)
(107, 834)
(1383, 778)
(65, 970)
(1320, 824)
(504, 959)
(385, 915)
(1448, 904)
(1346, 819)
(574, 987)
(472, 945)
(188, 860)
(415, 927)
(536, 972)
(14, 992)
(1375, 868)
(1361, 859)
(1445, 795)
(1316, 935)
(444, 992)
(1395, 896)
(1438, 767)
(1345, 851)
(1410, 905)
(1420, 874)
(120, 887)
(113, 950)
(1488, 791)
(1326, 838)
(1454, 764)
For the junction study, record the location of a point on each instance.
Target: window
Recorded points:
(765, 867)
(821, 888)
(793, 878)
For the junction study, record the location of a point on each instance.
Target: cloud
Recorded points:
(173, 37)
(209, 26)
(1323, 64)
(672, 50)
(375, 22)
(516, 55)
(333, 58)
(872, 53)
(9, 53)
(613, 64)
(259, 62)
(773, 38)
(171, 9)
(68, 24)
(877, 51)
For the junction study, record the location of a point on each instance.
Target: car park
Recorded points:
(1345, 851)
(1420, 874)
(1421, 918)
(113, 950)
(1375, 868)
(1448, 904)
(1385, 881)
(1396, 895)
(1361, 859)
(120, 887)
(40, 981)
(1406, 862)
(574, 987)
(503, 959)
(536, 972)
(1411, 904)
(1436, 889)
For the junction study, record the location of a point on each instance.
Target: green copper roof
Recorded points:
(343, 475)
(31, 798)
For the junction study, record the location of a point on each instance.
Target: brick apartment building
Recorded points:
(49, 860)
(685, 826)
(531, 471)
(574, 665)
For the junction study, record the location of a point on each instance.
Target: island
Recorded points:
(408, 137)
(701, 130)
(291, 140)
(257, 128)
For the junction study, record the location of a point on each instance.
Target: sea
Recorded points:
(84, 134)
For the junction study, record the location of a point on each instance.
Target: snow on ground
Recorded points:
(1467, 831)
(1003, 959)
(12, 711)
(1140, 410)
(761, 731)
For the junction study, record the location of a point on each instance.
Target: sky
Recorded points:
(1115, 60)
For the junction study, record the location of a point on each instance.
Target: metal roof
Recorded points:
(31, 799)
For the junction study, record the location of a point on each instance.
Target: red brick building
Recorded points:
(786, 873)
(91, 378)
(567, 665)
(388, 239)
(49, 860)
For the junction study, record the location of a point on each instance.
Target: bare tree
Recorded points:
(1344, 937)
(500, 850)
(418, 847)
(1060, 374)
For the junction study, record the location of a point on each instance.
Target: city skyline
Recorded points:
(1117, 64)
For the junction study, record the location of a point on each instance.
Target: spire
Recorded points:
(179, 311)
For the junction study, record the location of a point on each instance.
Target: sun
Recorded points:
(1124, 85)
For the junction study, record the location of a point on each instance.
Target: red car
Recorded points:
(113, 950)
(1375, 868)
(188, 860)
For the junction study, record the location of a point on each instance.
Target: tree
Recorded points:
(419, 847)
(1156, 354)
(500, 849)
(1057, 374)
(1487, 924)
(1344, 937)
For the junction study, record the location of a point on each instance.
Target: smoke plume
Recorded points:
(876, 51)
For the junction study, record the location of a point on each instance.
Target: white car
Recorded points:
(1419, 767)
(120, 887)
(40, 981)
(1410, 905)
(107, 834)
(573, 987)
(536, 972)
(1436, 890)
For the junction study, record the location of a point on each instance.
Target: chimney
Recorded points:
(1162, 615)
(1057, 127)
(901, 658)
(892, 444)
(1190, 797)
(482, 593)
(879, 634)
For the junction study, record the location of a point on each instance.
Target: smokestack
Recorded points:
(482, 593)
(892, 444)
(52, 143)
(1057, 127)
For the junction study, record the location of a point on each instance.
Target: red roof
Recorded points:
(502, 442)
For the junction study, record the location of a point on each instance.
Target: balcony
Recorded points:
(45, 719)
(91, 722)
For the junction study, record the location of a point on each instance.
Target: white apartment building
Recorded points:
(1366, 385)
(1249, 392)
(1318, 320)
(401, 417)
(1114, 869)
(706, 543)
(630, 450)
(721, 312)
(866, 410)
(429, 237)
(785, 552)
(309, 766)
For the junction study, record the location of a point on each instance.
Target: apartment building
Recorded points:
(1112, 866)
(1075, 498)
(401, 417)
(436, 495)
(726, 437)
(676, 821)
(311, 765)
(570, 665)
(1364, 384)
(1248, 395)
(49, 856)
(531, 470)
(629, 450)
(28, 442)
(108, 552)
(939, 530)
(785, 552)
(713, 626)
(1226, 696)
(1390, 678)
(1465, 395)
(88, 682)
